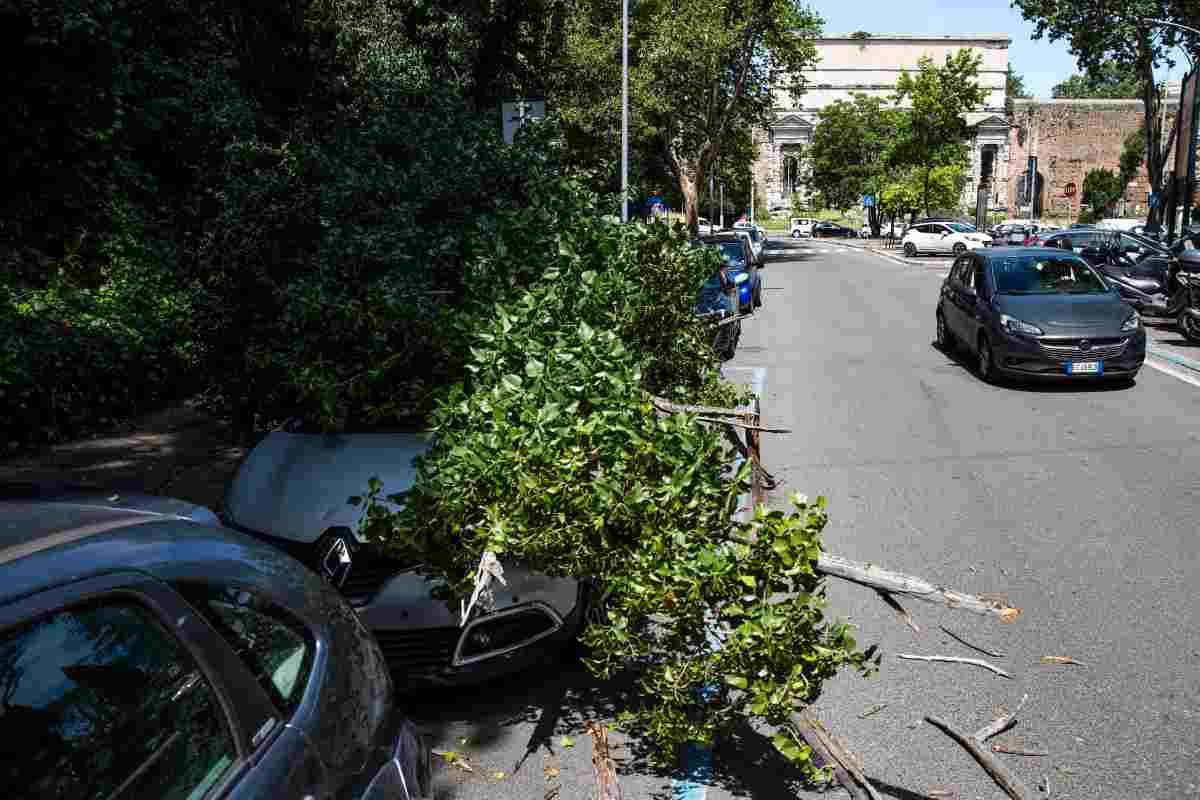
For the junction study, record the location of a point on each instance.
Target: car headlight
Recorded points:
(1016, 326)
(1131, 323)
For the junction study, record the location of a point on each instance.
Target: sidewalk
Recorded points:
(1165, 343)
(181, 452)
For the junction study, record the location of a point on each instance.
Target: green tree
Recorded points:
(1108, 80)
(1014, 87)
(1101, 188)
(700, 73)
(849, 149)
(1117, 32)
(934, 132)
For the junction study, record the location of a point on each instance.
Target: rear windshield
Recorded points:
(1045, 275)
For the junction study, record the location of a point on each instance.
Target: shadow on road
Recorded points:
(965, 361)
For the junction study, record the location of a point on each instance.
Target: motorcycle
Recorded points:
(1186, 297)
(1139, 270)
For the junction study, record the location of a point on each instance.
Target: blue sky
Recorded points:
(1042, 63)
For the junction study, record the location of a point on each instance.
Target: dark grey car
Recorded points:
(1038, 312)
(144, 654)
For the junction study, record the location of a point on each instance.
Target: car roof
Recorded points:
(992, 253)
(716, 238)
(30, 527)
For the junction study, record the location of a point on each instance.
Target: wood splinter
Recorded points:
(956, 660)
(900, 610)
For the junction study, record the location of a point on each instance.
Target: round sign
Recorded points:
(1069, 191)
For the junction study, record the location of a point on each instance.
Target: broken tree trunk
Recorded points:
(602, 763)
(1011, 786)
(847, 767)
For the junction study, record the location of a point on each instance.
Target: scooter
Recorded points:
(1186, 298)
(1144, 283)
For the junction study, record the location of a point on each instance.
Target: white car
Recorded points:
(757, 238)
(864, 232)
(942, 237)
(802, 227)
(706, 227)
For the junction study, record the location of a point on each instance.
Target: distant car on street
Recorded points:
(942, 237)
(1036, 312)
(151, 655)
(801, 227)
(826, 230)
(865, 232)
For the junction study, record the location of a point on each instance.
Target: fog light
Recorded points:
(503, 631)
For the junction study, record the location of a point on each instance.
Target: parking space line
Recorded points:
(1165, 367)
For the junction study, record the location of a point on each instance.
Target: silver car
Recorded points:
(292, 491)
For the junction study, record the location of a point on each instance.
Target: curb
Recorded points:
(1171, 358)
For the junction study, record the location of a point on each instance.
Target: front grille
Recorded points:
(368, 572)
(1069, 349)
(415, 652)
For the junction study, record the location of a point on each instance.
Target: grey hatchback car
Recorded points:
(1038, 312)
(145, 654)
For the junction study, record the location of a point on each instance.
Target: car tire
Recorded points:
(945, 338)
(959, 248)
(1189, 326)
(910, 250)
(986, 362)
(795, 234)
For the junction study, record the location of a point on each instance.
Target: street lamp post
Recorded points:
(624, 110)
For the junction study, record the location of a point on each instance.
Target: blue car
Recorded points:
(737, 258)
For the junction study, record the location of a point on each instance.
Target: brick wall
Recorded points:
(1071, 138)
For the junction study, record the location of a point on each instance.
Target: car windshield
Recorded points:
(731, 254)
(1043, 275)
(960, 227)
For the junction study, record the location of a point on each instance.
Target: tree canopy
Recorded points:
(1109, 80)
(850, 147)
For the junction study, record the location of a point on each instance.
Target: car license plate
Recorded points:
(1085, 367)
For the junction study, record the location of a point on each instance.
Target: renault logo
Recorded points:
(335, 557)
(1084, 346)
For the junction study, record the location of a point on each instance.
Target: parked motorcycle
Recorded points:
(1185, 299)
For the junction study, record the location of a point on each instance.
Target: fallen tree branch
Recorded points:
(744, 425)
(1015, 751)
(847, 766)
(896, 583)
(976, 648)
(998, 725)
(602, 763)
(956, 660)
(894, 604)
(1011, 786)
(663, 404)
(768, 479)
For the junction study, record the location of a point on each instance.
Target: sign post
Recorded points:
(517, 114)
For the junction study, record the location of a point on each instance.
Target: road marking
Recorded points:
(1174, 372)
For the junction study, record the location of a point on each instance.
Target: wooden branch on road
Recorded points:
(1011, 786)
(846, 765)
(878, 578)
(975, 662)
(665, 405)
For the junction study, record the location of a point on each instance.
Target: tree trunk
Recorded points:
(1154, 162)
(689, 188)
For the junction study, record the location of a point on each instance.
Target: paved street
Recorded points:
(1077, 504)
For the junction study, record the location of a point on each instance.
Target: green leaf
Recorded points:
(585, 331)
(737, 681)
(567, 741)
(749, 581)
(512, 382)
(534, 368)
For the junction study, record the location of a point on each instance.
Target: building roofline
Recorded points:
(917, 37)
(1077, 101)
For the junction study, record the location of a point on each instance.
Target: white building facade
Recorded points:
(871, 64)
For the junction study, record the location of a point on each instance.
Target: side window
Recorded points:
(960, 266)
(276, 647)
(101, 701)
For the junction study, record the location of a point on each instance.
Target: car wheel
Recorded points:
(795, 234)
(910, 250)
(959, 249)
(1189, 326)
(945, 339)
(987, 364)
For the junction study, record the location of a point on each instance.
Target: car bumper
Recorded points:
(1019, 356)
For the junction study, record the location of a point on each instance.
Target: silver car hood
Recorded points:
(295, 485)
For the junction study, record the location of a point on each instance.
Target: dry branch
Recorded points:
(847, 766)
(894, 604)
(956, 660)
(1015, 751)
(998, 725)
(602, 763)
(896, 583)
(1011, 786)
(665, 405)
(976, 648)
(744, 425)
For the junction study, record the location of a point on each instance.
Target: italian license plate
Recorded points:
(1085, 367)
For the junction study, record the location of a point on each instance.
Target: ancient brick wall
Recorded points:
(1071, 138)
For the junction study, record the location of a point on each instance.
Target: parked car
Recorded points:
(706, 227)
(716, 302)
(150, 655)
(1118, 224)
(1012, 235)
(864, 232)
(292, 491)
(801, 227)
(1074, 239)
(833, 230)
(942, 237)
(757, 238)
(737, 255)
(1035, 312)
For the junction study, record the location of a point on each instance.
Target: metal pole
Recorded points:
(624, 110)
(722, 204)
(751, 197)
(712, 200)
(1189, 186)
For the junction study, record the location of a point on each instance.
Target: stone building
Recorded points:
(871, 64)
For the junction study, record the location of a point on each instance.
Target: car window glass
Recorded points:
(956, 272)
(277, 648)
(1042, 275)
(107, 704)
(977, 280)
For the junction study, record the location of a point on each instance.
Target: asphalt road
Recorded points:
(1079, 505)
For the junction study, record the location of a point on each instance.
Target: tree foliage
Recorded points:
(1102, 188)
(699, 74)
(1108, 80)
(936, 131)
(1116, 33)
(850, 147)
(1014, 88)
